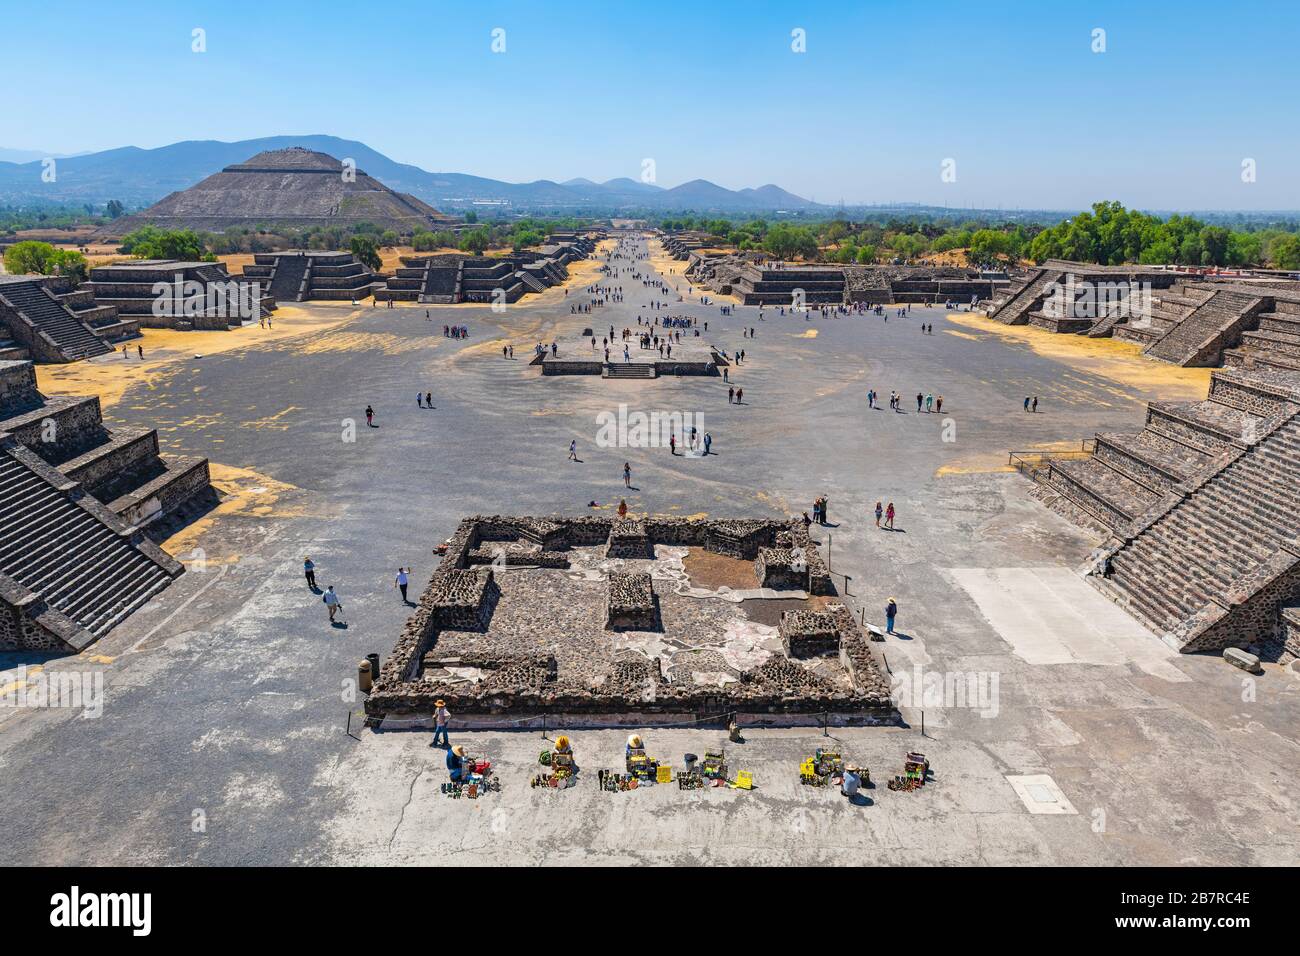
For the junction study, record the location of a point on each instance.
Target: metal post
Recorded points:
(828, 548)
(846, 585)
(826, 720)
(922, 723)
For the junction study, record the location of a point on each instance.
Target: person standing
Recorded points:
(891, 612)
(441, 721)
(708, 442)
(740, 396)
(370, 416)
(1035, 405)
(938, 404)
(401, 582)
(879, 511)
(889, 516)
(331, 601)
(731, 395)
(309, 571)
(672, 444)
(627, 474)
(1026, 403)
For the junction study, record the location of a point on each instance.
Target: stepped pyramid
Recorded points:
(44, 318)
(1203, 506)
(289, 187)
(74, 500)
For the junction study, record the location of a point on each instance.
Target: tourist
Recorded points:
(708, 442)
(331, 601)
(731, 395)
(627, 474)
(817, 510)
(370, 417)
(401, 581)
(309, 571)
(140, 349)
(919, 399)
(573, 450)
(672, 444)
(622, 507)
(938, 405)
(879, 512)
(807, 522)
(740, 396)
(1026, 403)
(441, 721)
(825, 504)
(889, 516)
(419, 399)
(929, 403)
(891, 612)
(1035, 405)
(428, 399)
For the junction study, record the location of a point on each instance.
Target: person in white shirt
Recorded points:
(401, 581)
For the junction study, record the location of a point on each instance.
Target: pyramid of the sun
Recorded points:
(287, 187)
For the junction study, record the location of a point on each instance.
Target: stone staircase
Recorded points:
(1217, 323)
(1019, 301)
(288, 281)
(29, 301)
(1217, 549)
(640, 370)
(68, 566)
(1274, 344)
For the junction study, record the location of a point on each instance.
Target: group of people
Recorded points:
(455, 331)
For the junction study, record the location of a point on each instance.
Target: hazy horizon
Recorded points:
(883, 100)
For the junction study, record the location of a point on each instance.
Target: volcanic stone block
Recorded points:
(628, 539)
(462, 599)
(631, 602)
(779, 568)
(809, 633)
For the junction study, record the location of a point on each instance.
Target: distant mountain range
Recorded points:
(138, 177)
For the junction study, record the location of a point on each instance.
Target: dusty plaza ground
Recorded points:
(225, 699)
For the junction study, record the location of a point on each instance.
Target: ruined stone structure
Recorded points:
(922, 285)
(466, 643)
(451, 278)
(169, 294)
(75, 499)
(1074, 297)
(286, 187)
(1203, 507)
(300, 276)
(43, 318)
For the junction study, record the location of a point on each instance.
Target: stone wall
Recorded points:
(630, 602)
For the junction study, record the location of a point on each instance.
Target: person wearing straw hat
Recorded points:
(441, 720)
(456, 763)
(891, 612)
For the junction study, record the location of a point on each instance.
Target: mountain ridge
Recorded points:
(140, 177)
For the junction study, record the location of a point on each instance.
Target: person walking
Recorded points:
(889, 516)
(731, 395)
(428, 399)
(938, 404)
(891, 612)
(331, 601)
(401, 581)
(879, 511)
(672, 444)
(419, 400)
(441, 721)
(1026, 403)
(708, 442)
(370, 416)
(740, 396)
(1035, 405)
(573, 450)
(309, 571)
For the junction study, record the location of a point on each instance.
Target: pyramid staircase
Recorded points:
(289, 278)
(67, 565)
(40, 316)
(640, 370)
(1204, 510)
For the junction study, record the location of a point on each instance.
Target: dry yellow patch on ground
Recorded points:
(963, 335)
(807, 334)
(992, 462)
(111, 375)
(245, 492)
(1118, 361)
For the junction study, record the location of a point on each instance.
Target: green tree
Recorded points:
(475, 241)
(367, 252)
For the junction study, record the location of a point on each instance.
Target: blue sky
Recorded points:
(885, 92)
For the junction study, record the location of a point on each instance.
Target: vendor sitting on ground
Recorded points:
(852, 781)
(456, 764)
(563, 754)
(635, 748)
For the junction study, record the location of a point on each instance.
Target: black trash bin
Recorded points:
(374, 666)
